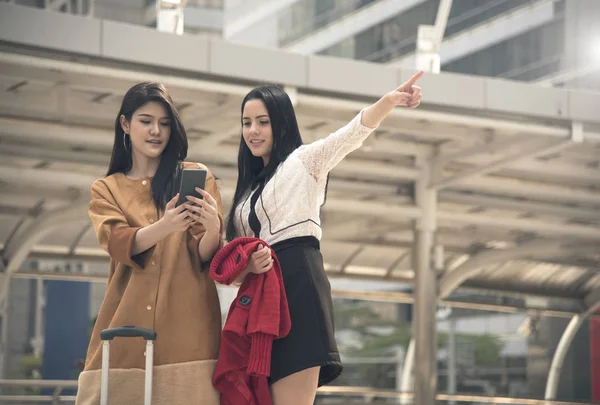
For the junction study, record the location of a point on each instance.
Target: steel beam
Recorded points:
(441, 20)
(489, 147)
(592, 300)
(251, 15)
(576, 138)
(493, 31)
(567, 75)
(350, 25)
(402, 259)
(557, 210)
(522, 224)
(351, 258)
(121, 74)
(48, 178)
(54, 178)
(47, 132)
(530, 190)
(55, 155)
(192, 117)
(221, 162)
(370, 171)
(462, 120)
(395, 213)
(391, 211)
(452, 279)
(346, 229)
(350, 168)
(211, 142)
(47, 221)
(17, 250)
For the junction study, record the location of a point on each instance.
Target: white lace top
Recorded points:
(289, 205)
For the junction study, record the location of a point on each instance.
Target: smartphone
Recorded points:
(190, 179)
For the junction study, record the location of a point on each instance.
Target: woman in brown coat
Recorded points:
(158, 254)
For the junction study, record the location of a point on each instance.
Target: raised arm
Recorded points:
(322, 156)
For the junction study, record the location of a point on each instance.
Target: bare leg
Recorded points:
(297, 389)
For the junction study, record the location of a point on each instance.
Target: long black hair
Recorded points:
(286, 139)
(175, 152)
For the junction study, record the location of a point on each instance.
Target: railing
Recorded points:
(373, 393)
(54, 399)
(348, 392)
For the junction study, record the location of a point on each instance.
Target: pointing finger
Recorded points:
(413, 79)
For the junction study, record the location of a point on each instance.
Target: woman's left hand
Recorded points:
(204, 211)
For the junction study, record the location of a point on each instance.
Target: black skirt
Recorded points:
(311, 341)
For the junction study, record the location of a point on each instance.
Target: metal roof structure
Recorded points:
(491, 184)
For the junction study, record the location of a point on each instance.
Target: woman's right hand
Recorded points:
(260, 261)
(175, 218)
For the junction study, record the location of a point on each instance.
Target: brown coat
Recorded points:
(163, 289)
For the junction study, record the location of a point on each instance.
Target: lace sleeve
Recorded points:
(322, 156)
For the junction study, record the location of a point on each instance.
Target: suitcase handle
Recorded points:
(128, 331)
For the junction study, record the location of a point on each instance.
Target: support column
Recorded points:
(424, 328)
(452, 357)
(592, 303)
(407, 381)
(429, 40)
(170, 16)
(38, 333)
(559, 356)
(595, 358)
(4, 310)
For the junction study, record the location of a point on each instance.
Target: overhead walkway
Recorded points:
(490, 186)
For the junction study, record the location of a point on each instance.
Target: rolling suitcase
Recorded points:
(127, 331)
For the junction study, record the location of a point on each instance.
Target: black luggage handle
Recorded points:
(128, 331)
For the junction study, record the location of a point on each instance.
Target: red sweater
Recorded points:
(257, 316)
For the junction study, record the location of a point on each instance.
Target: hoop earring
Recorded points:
(125, 142)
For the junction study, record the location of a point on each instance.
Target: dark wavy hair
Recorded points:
(174, 153)
(286, 139)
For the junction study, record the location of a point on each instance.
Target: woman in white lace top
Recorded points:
(281, 186)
